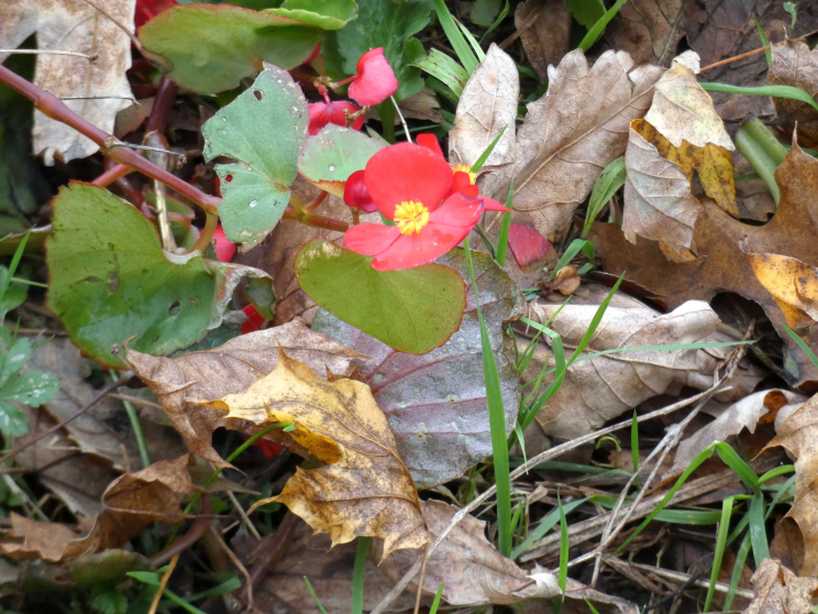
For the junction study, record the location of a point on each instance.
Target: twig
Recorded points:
(75, 54)
(237, 564)
(748, 54)
(163, 584)
(194, 533)
(243, 515)
(117, 171)
(402, 119)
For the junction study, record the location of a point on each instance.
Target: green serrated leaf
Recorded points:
(326, 15)
(211, 48)
(112, 284)
(413, 310)
(13, 422)
(262, 130)
(32, 388)
(333, 154)
(13, 355)
(389, 24)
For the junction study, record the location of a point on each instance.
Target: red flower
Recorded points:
(374, 80)
(225, 249)
(356, 195)
(148, 9)
(254, 320)
(332, 112)
(431, 206)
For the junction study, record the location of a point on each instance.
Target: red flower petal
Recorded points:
(356, 195)
(489, 204)
(334, 112)
(254, 320)
(374, 80)
(527, 245)
(148, 9)
(225, 249)
(370, 239)
(458, 211)
(270, 449)
(407, 172)
(430, 142)
(461, 183)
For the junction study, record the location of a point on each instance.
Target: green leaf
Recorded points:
(13, 355)
(413, 310)
(111, 283)
(586, 12)
(444, 68)
(483, 12)
(330, 15)
(13, 422)
(32, 388)
(262, 130)
(333, 154)
(390, 24)
(14, 295)
(211, 48)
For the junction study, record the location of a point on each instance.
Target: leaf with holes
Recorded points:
(262, 130)
(413, 310)
(333, 154)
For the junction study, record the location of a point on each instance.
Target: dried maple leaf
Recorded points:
(130, 504)
(363, 486)
(97, 73)
(723, 245)
(649, 30)
(598, 388)
(777, 590)
(565, 142)
(545, 32)
(795, 64)
(793, 284)
(798, 434)
(230, 368)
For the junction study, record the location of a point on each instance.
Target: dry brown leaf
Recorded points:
(231, 368)
(599, 388)
(732, 420)
(777, 590)
(793, 284)
(565, 142)
(363, 486)
(795, 64)
(544, 27)
(649, 30)
(474, 573)
(722, 246)
(76, 26)
(487, 107)
(798, 435)
(130, 504)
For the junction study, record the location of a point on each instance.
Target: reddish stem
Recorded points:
(54, 108)
(312, 219)
(117, 171)
(162, 104)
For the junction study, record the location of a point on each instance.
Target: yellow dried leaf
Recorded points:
(363, 488)
(792, 283)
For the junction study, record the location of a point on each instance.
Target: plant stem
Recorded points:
(763, 151)
(117, 171)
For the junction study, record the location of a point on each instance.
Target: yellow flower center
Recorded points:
(410, 217)
(465, 168)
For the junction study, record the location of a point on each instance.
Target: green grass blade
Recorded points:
(607, 184)
(598, 29)
(575, 247)
(738, 569)
(758, 531)
(635, 442)
(314, 595)
(445, 69)
(775, 472)
(501, 253)
(802, 345)
(436, 601)
(721, 546)
(473, 42)
(732, 459)
(776, 91)
(358, 574)
(548, 522)
(461, 47)
(478, 164)
(565, 547)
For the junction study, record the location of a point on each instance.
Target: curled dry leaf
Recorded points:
(105, 48)
(564, 142)
(793, 284)
(544, 27)
(436, 402)
(600, 387)
(722, 247)
(649, 30)
(798, 435)
(131, 503)
(777, 590)
(487, 107)
(795, 64)
(228, 369)
(748, 413)
(362, 487)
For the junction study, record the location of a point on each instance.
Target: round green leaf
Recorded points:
(111, 283)
(330, 15)
(414, 310)
(262, 130)
(332, 155)
(211, 48)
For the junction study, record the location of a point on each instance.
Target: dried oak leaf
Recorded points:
(97, 73)
(723, 248)
(650, 30)
(793, 284)
(545, 32)
(362, 486)
(231, 368)
(777, 590)
(129, 504)
(598, 388)
(798, 435)
(795, 64)
(565, 142)
(487, 107)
